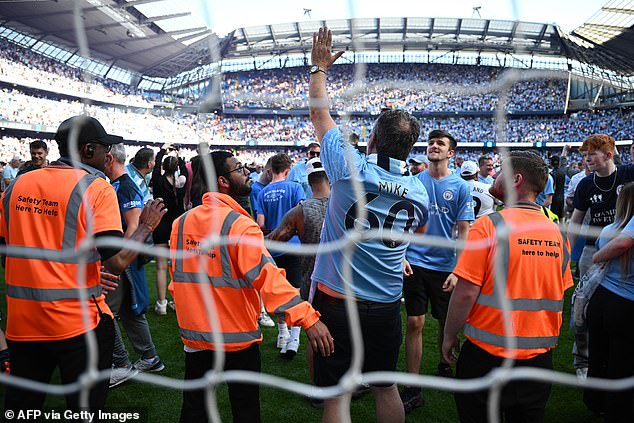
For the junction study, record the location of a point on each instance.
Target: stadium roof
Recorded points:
(607, 38)
(163, 42)
(117, 32)
(404, 34)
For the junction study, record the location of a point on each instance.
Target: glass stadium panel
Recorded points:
(501, 27)
(417, 24)
(394, 23)
(472, 25)
(446, 24)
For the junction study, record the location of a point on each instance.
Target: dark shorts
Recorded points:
(424, 287)
(381, 332)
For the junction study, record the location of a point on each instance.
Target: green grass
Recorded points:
(163, 405)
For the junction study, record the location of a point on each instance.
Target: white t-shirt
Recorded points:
(484, 202)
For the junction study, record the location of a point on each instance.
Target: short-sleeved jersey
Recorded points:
(396, 203)
(298, 174)
(274, 201)
(128, 194)
(548, 190)
(449, 201)
(487, 180)
(618, 279)
(483, 202)
(253, 197)
(140, 181)
(599, 195)
(537, 269)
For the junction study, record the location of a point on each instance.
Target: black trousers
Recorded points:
(37, 360)
(521, 401)
(244, 397)
(611, 348)
(293, 266)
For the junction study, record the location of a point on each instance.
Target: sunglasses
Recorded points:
(313, 153)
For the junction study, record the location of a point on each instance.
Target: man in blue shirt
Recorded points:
(429, 279)
(298, 172)
(486, 167)
(261, 182)
(139, 168)
(274, 201)
(131, 298)
(373, 195)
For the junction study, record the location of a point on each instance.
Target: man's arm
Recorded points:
(463, 231)
(462, 300)
(148, 220)
(292, 224)
(321, 57)
(131, 218)
(261, 220)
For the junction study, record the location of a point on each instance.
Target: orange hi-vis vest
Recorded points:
(44, 219)
(232, 279)
(533, 274)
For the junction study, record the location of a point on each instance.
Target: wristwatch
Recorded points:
(315, 69)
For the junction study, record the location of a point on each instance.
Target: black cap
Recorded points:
(88, 129)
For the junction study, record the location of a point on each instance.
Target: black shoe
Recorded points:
(316, 402)
(444, 370)
(412, 398)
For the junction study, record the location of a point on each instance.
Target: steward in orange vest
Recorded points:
(217, 287)
(517, 256)
(54, 289)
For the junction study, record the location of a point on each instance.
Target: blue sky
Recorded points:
(224, 15)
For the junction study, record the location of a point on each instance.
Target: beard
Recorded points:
(240, 189)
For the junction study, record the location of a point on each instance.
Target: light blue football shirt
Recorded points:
(395, 203)
(615, 280)
(298, 174)
(548, 190)
(449, 201)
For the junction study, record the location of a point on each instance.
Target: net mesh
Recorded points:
(494, 381)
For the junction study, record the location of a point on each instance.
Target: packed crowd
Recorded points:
(184, 128)
(411, 86)
(414, 87)
(27, 67)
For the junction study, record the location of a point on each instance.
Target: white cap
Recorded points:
(314, 165)
(469, 168)
(421, 158)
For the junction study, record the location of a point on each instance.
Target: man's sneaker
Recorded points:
(582, 373)
(412, 398)
(282, 339)
(265, 321)
(161, 307)
(444, 370)
(121, 374)
(153, 365)
(290, 349)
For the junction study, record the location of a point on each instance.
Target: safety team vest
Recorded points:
(233, 277)
(535, 319)
(43, 222)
